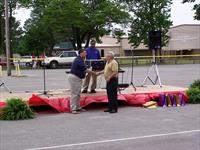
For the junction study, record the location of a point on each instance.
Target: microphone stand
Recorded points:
(45, 93)
(132, 65)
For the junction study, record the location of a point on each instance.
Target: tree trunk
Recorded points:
(2, 35)
(73, 44)
(78, 39)
(11, 32)
(88, 40)
(73, 40)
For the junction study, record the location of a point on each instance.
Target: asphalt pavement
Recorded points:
(133, 128)
(174, 75)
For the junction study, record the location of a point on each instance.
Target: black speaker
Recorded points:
(155, 40)
(97, 65)
(102, 53)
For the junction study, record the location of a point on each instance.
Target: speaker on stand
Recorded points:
(155, 44)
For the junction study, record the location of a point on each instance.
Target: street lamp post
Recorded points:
(7, 36)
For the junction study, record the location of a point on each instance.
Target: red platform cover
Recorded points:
(63, 104)
(2, 104)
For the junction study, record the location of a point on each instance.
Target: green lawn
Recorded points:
(141, 62)
(128, 61)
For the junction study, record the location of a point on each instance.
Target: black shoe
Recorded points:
(92, 91)
(113, 111)
(84, 91)
(107, 110)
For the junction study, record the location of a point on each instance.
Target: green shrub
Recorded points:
(16, 109)
(195, 84)
(193, 95)
(1, 113)
(194, 92)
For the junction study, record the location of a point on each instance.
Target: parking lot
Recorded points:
(175, 75)
(133, 128)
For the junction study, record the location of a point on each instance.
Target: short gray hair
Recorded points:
(110, 53)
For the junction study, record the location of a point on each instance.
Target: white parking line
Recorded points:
(114, 140)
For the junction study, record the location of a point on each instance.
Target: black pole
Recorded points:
(132, 65)
(154, 56)
(7, 37)
(44, 78)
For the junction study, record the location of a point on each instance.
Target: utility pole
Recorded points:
(7, 35)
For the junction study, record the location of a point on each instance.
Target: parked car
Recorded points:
(61, 58)
(25, 61)
(3, 61)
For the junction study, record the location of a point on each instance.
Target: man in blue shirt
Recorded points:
(77, 73)
(92, 54)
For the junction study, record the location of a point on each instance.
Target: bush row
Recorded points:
(16, 109)
(194, 92)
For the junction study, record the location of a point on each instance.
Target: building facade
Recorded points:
(184, 39)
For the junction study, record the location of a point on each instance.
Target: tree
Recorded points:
(149, 15)
(196, 8)
(37, 39)
(15, 30)
(2, 27)
(76, 20)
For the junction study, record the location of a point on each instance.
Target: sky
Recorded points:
(180, 13)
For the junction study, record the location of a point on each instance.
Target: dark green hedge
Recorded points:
(194, 92)
(195, 84)
(16, 109)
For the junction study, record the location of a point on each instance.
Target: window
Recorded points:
(65, 54)
(69, 54)
(72, 54)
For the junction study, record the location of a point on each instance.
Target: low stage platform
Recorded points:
(59, 99)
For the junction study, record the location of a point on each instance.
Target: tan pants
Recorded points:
(75, 87)
(86, 82)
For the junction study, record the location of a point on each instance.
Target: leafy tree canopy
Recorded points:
(71, 20)
(149, 15)
(15, 30)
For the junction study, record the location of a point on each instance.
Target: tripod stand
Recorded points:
(155, 67)
(132, 65)
(2, 84)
